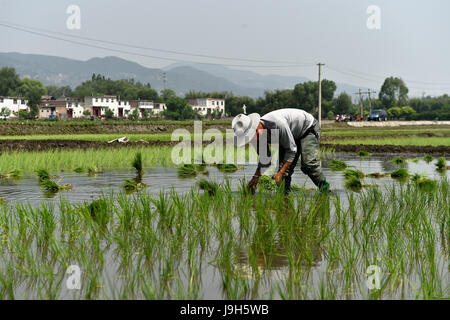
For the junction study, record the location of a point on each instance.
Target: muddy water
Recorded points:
(86, 188)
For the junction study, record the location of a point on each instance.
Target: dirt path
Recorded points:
(435, 150)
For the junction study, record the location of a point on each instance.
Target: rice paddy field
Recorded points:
(139, 226)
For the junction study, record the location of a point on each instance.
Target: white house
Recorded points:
(98, 106)
(13, 104)
(207, 106)
(147, 105)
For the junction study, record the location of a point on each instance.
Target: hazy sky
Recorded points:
(413, 42)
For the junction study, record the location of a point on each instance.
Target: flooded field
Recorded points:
(182, 243)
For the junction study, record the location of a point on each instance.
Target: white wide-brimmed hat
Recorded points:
(244, 128)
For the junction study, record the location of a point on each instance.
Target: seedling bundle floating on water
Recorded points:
(13, 175)
(353, 173)
(49, 185)
(401, 173)
(337, 165)
(428, 158)
(398, 161)
(208, 186)
(441, 164)
(227, 167)
(364, 154)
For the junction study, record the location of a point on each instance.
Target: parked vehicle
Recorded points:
(377, 115)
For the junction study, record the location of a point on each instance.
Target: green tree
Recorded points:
(178, 109)
(307, 94)
(394, 112)
(393, 93)
(9, 82)
(5, 112)
(343, 104)
(134, 115)
(166, 94)
(109, 114)
(32, 90)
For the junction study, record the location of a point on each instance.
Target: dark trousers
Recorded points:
(308, 153)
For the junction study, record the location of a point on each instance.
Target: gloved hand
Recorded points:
(253, 183)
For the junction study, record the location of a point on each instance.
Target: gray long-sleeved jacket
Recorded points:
(292, 124)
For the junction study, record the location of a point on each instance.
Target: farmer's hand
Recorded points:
(253, 183)
(278, 177)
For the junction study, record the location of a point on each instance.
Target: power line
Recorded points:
(40, 30)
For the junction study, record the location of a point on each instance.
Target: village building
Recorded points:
(206, 106)
(99, 104)
(147, 105)
(14, 105)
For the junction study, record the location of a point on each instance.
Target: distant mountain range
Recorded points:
(181, 78)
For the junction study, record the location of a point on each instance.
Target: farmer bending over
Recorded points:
(299, 135)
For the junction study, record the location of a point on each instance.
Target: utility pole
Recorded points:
(360, 93)
(370, 101)
(165, 80)
(320, 93)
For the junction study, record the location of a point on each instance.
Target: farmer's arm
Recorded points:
(287, 141)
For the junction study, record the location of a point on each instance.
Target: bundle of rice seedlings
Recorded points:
(441, 164)
(364, 154)
(427, 185)
(227, 167)
(401, 173)
(376, 175)
(43, 175)
(78, 170)
(398, 160)
(187, 170)
(14, 174)
(266, 183)
(415, 160)
(137, 163)
(53, 187)
(353, 183)
(131, 185)
(2, 201)
(428, 158)
(93, 171)
(353, 173)
(208, 186)
(417, 176)
(337, 165)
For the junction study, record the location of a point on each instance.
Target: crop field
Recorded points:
(142, 227)
(231, 245)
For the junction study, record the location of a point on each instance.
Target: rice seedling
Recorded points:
(353, 173)
(43, 175)
(93, 171)
(401, 173)
(227, 167)
(417, 176)
(376, 175)
(53, 187)
(210, 187)
(415, 160)
(428, 158)
(426, 185)
(78, 170)
(132, 185)
(337, 165)
(137, 163)
(12, 175)
(2, 201)
(353, 183)
(364, 154)
(398, 161)
(441, 164)
(187, 171)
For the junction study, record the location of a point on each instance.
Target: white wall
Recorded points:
(8, 102)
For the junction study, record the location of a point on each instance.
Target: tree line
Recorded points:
(393, 97)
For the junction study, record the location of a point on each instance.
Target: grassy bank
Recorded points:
(231, 246)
